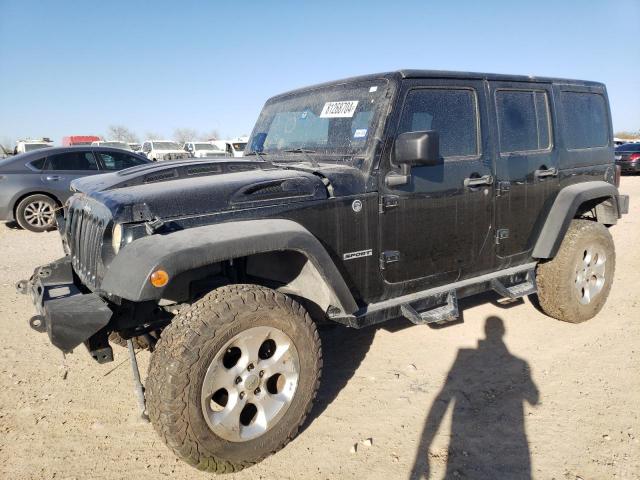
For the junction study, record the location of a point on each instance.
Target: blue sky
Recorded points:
(71, 67)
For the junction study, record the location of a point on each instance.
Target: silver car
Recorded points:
(33, 185)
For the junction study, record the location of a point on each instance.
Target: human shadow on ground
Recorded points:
(487, 387)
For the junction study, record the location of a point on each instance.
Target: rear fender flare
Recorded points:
(564, 209)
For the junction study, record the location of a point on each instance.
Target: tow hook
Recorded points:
(21, 287)
(38, 324)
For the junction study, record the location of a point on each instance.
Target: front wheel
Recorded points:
(574, 285)
(233, 377)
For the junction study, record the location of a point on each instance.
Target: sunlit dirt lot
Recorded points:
(507, 387)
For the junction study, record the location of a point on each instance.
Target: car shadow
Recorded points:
(12, 225)
(486, 387)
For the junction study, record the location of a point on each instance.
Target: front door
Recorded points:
(437, 228)
(526, 164)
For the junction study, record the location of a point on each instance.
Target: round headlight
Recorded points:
(116, 237)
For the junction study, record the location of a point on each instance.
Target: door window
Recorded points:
(72, 161)
(523, 120)
(453, 113)
(119, 161)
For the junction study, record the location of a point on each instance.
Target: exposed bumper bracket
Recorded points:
(68, 315)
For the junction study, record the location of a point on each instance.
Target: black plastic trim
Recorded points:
(128, 275)
(563, 211)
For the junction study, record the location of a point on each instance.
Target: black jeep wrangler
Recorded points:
(357, 201)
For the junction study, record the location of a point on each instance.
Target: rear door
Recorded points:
(62, 168)
(437, 228)
(526, 164)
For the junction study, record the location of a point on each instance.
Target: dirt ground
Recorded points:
(507, 387)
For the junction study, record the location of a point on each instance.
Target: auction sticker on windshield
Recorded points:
(344, 109)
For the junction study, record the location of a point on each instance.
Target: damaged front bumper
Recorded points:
(66, 312)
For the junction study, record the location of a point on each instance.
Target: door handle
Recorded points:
(52, 177)
(548, 172)
(477, 181)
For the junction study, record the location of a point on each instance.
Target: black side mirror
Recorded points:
(413, 149)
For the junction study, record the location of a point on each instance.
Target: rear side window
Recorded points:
(38, 164)
(72, 161)
(119, 161)
(585, 121)
(523, 120)
(450, 112)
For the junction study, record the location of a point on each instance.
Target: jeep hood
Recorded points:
(176, 189)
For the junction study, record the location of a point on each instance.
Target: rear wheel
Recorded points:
(37, 213)
(574, 285)
(233, 377)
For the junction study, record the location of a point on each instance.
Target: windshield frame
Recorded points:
(363, 158)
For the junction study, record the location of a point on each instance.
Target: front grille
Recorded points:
(84, 233)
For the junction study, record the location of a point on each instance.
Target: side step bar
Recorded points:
(443, 314)
(433, 298)
(528, 287)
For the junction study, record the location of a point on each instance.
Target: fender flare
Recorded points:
(127, 276)
(564, 209)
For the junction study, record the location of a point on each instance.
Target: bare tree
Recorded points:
(211, 135)
(629, 135)
(121, 133)
(183, 135)
(152, 136)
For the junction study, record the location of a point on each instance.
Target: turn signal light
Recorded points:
(159, 278)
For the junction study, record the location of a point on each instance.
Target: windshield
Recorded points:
(28, 147)
(334, 120)
(115, 145)
(206, 146)
(239, 147)
(166, 146)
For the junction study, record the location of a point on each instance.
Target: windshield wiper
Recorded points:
(257, 154)
(299, 150)
(305, 151)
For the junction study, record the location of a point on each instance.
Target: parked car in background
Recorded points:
(628, 157)
(72, 140)
(112, 144)
(28, 145)
(158, 150)
(234, 148)
(34, 185)
(204, 149)
(135, 147)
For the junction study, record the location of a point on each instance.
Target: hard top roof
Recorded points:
(415, 73)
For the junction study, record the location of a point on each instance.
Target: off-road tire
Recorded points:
(32, 199)
(556, 278)
(184, 352)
